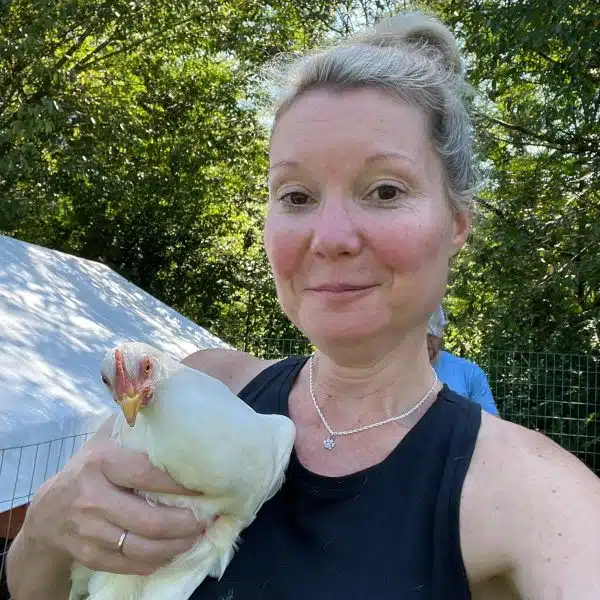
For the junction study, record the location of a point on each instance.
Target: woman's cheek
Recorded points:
(406, 249)
(284, 245)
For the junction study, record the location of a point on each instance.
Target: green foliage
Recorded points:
(529, 280)
(128, 136)
(530, 277)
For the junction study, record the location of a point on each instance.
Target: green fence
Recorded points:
(557, 394)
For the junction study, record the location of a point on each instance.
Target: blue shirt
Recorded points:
(465, 378)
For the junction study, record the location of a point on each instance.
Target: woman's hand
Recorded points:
(83, 511)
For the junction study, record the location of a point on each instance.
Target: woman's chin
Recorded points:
(332, 330)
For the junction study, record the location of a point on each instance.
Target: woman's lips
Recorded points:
(340, 289)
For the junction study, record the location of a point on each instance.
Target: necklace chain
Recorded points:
(329, 443)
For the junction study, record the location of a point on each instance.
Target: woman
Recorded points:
(397, 488)
(459, 374)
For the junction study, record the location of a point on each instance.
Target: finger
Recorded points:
(133, 513)
(161, 552)
(128, 469)
(106, 536)
(100, 559)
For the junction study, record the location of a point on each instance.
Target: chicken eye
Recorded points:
(105, 381)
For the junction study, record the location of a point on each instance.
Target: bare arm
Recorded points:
(558, 551)
(35, 572)
(531, 516)
(234, 368)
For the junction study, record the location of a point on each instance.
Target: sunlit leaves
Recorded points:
(529, 276)
(125, 138)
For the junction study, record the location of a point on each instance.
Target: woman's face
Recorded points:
(359, 232)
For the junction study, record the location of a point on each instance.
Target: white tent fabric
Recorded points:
(58, 315)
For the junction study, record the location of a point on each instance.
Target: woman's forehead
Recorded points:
(371, 123)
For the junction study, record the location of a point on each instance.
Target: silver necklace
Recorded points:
(329, 442)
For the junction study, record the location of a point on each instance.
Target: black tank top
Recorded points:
(388, 532)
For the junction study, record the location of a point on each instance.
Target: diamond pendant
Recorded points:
(329, 443)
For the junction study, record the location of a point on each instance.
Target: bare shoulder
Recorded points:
(233, 367)
(528, 510)
(518, 458)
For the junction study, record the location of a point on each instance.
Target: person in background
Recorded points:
(461, 375)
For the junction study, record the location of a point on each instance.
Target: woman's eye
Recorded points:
(386, 193)
(295, 198)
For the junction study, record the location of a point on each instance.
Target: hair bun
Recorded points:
(416, 29)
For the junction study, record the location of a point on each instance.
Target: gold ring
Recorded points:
(121, 542)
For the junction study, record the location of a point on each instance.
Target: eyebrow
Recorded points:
(284, 163)
(379, 156)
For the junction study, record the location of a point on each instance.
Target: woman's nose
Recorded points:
(335, 232)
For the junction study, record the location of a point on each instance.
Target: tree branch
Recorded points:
(578, 145)
(510, 126)
(81, 64)
(549, 58)
(68, 55)
(45, 84)
(132, 46)
(491, 208)
(365, 11)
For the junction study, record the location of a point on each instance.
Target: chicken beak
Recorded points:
(130, 405)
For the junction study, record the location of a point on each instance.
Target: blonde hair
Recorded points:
(414, 57)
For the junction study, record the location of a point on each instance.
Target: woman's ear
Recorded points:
(461, 228)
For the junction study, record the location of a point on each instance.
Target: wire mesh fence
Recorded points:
(22, 470)
(557, 394)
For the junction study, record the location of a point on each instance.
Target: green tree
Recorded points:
(129, 135)
(530, 277)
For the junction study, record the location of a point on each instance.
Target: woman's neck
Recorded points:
(382, 387)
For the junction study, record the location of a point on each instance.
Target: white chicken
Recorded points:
(208, 440)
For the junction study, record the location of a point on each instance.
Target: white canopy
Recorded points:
(58, 316)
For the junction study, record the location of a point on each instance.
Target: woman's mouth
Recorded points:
(340, 289)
